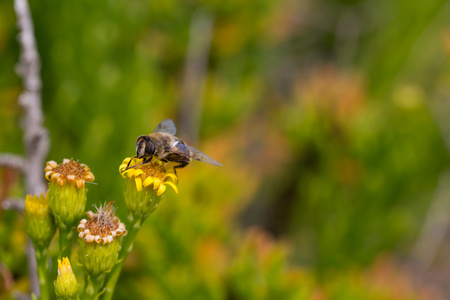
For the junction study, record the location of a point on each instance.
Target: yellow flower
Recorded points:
(146, 185)
(66, 284)
(39, 223)
(37, 205)
(152, 174)
(68, 171)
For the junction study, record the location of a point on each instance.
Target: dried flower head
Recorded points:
(66, 284)
(68, 171)
(102, 227)
(39, 223)
(99, 241)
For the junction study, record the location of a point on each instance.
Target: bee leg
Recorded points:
(183, 163)
(147, 160)
(129, 163)
(144, 162)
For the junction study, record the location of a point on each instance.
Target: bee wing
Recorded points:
(198, 155)
(166, 126)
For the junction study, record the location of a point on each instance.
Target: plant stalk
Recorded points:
(65, 241)
(93, 286)
(43, 271)
(127, 245)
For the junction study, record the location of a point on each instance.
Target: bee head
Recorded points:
(144, 147)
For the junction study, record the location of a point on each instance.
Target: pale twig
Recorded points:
(35, 135)
(12, 160)
(18, 295)
(36, 140)
(13, 204)
(32, 268)
(196, 65)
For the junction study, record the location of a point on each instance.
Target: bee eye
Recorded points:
(149, 148)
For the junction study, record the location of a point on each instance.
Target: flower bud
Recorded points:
(66, 284)
(39, 223)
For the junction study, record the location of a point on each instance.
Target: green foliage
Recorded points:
(323, 114)
(370, 177)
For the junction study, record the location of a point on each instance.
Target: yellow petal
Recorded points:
(125, 173)
(125, 163)
(161, 190)
(138, 172)
(136, 161)
(138, 183)
(172, 176)
(175, 188)
(148, 181)
(130, 172)
(156, 183)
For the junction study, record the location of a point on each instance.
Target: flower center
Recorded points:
(153, 170)
(71, 168)
(102, 225)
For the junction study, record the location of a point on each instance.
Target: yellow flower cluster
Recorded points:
(152, 174)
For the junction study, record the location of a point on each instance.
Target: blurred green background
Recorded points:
(330, 117)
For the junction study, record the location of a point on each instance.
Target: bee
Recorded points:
(165, 146)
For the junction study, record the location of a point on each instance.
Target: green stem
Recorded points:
(65, 241)
(93, 286)
(43, 271)
(127, 245)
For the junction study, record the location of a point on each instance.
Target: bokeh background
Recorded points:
(330, 117)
